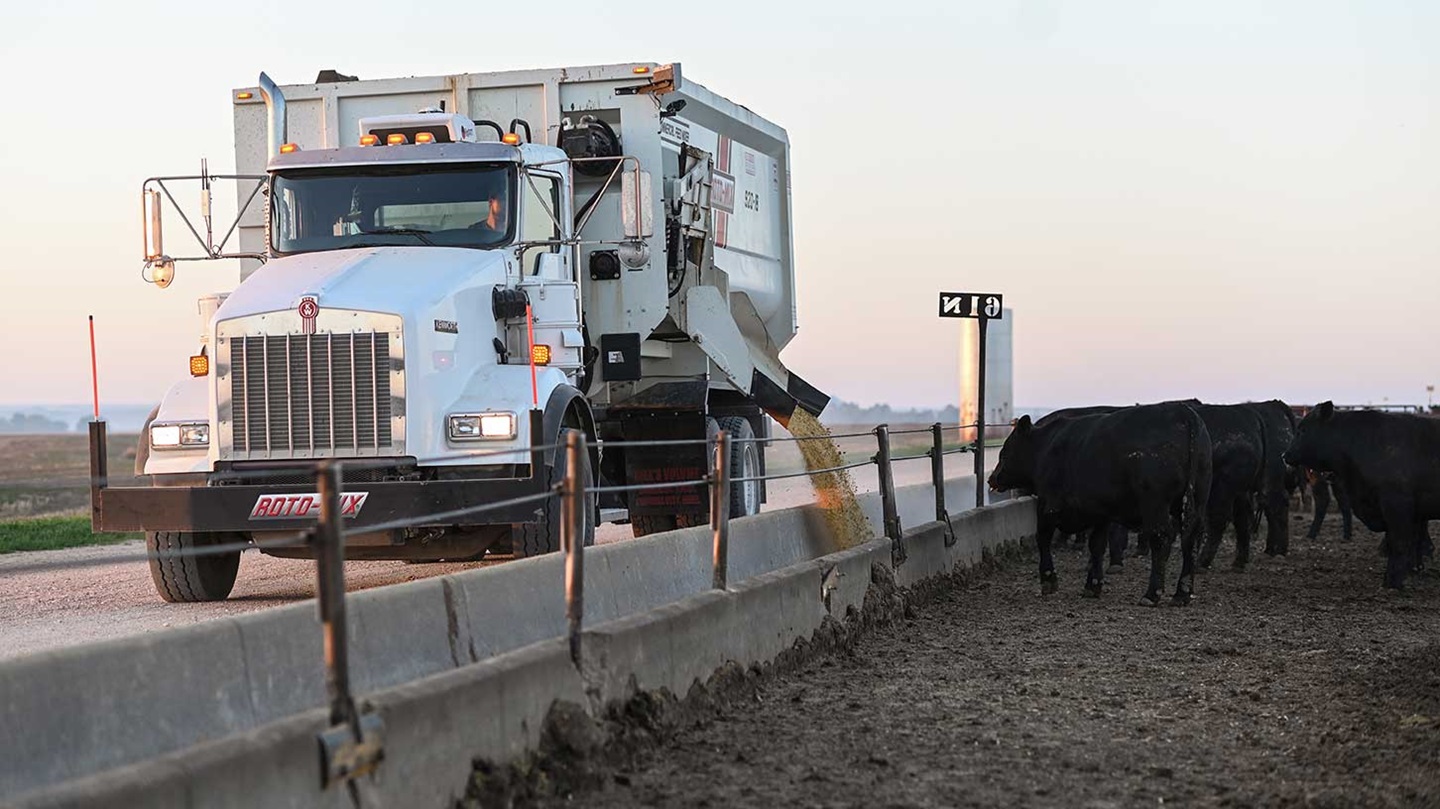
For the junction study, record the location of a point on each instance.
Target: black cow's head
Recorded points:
(1015, 468)
(1314, 439)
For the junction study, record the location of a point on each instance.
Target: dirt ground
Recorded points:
(1296, 683)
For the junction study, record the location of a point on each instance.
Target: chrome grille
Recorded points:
(322, 394)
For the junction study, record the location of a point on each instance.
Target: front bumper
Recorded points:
(295, 507)
(284, 508)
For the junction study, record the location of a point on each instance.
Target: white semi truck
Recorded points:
(440, 275)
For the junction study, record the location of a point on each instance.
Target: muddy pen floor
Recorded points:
(1298, 682)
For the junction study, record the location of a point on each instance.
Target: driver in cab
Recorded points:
(493, 225)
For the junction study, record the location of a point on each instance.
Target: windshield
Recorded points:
(450, 205)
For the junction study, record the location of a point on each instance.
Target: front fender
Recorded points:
(565, 399)
(187, 400)
(493, 388)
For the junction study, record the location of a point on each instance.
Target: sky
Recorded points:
(1226, 200)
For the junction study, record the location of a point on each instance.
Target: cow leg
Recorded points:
(1157, 531)
(1242, 532)
(1347, 515)
(1277, 525)
(1142, 544)
(1044, 536)
(1217, 515)
(1424, 545)
(1095, 571)
(1191, 527)
(1400, 540)
(1322, 505)
(1159, 543)
(1119, 538)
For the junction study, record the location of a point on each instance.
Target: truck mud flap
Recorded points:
(665, 464)
(666, 411)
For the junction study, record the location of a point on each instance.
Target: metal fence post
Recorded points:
(572, 535)
(352, 746)
(720, 510)
(99, 471)
(889, 515)
(330, 567)
(937, 474)
(980, 420)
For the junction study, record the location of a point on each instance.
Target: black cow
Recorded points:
(1279, 422)
(1389, 464)
(1145, 467)
(1118, 538)
(1237, 446)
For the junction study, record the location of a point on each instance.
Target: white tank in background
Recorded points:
(999, 374)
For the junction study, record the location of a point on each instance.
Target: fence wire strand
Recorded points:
(447, 516)
(646, 487)
(806, 473)
(299, 538)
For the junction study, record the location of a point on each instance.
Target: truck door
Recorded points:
(548, 271)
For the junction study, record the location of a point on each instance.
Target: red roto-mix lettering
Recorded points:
(303, 506)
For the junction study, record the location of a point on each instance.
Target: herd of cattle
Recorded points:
(1192, 469)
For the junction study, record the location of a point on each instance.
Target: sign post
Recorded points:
(980, 307)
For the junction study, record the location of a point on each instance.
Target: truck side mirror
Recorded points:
(154, 242)
(162, 268)
(637, 211)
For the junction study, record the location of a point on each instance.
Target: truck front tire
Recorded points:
(534, 539)
(189, 579)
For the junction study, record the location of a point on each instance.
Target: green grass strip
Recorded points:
(51, 533)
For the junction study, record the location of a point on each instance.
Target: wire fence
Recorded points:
(353, 737)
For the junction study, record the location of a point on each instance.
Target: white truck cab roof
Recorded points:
(463, 152)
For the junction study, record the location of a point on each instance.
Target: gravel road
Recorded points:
(1296, 683)
(72, 605)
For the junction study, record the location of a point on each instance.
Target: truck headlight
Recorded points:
(481, 426)
(187, 435)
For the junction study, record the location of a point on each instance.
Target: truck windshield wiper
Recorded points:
(422, 235)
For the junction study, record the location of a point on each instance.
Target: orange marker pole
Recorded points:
(530, 332)
(94, 374)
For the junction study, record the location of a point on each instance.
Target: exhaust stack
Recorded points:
(275, 130)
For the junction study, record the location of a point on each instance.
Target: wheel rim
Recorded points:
(750, 490)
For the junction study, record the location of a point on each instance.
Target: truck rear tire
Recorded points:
(652, 524)
(189, 579)
(744, 463)
(534, 539)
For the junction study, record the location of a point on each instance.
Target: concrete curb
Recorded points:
(485, 638)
